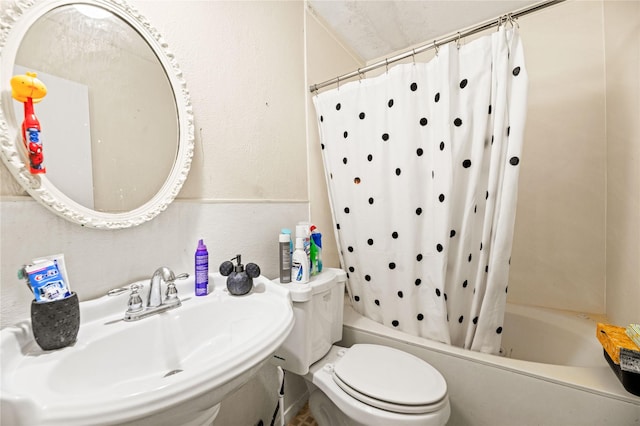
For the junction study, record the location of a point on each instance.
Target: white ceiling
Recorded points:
(373, 29)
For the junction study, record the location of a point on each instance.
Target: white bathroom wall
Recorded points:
(243, 63)
(99, 260)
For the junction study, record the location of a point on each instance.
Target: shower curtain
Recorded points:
(422, 167)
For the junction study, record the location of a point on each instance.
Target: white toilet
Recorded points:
(362, 385)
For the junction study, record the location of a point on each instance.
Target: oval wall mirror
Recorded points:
(116, 122)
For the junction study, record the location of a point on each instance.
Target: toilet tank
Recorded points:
(317, 310)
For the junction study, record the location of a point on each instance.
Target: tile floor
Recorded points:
(303, 418)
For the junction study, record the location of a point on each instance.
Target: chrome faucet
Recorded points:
(154, 297)
(155, 304)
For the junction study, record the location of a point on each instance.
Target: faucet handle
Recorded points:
(171, 295)
(135, 301)
(172, 292)
(120, 290)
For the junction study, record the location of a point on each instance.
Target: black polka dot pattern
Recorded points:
(411, 190)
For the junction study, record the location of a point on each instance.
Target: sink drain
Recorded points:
(172, 372)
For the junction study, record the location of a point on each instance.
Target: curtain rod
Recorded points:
(436, 43)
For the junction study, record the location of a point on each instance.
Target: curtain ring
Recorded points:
(386, 63)
(413, 55)
(338, 81)
(360, 75)
(513, 22)
(436, 47)
(458, 41)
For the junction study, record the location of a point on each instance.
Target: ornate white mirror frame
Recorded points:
(14, 24)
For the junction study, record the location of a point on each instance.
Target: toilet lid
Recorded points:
(389, 379)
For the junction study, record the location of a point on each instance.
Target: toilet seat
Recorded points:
(389, 379)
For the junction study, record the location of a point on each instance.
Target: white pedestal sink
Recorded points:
(173, 368)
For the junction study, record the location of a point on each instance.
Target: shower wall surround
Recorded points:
(577, 240)
(622, 55)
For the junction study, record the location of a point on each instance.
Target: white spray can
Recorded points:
(299, 264)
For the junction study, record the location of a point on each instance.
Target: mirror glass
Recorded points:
(116, 124)
(109, 119)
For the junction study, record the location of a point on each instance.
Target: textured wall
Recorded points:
(244, 66)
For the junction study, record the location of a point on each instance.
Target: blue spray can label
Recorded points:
(202, 270)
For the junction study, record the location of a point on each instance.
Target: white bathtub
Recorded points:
(552, 373)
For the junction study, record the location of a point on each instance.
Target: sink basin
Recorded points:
(172, 368)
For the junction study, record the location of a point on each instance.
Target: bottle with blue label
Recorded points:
(302, 231)
(316, 251)
(300, 264)
(202, 269)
